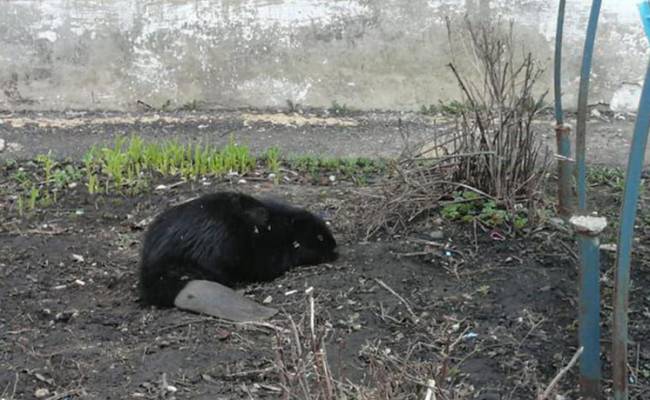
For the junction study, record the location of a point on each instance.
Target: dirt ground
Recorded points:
(486, 318)
(313, 132)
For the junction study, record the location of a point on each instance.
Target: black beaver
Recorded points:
(229, 238)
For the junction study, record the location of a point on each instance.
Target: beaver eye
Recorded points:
(320, 237)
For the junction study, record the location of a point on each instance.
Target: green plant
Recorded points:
(304, 164)
(292, 107)
(62, 177)
(468, 206)
(338, 109)
(48, 164)
(454, 107)
(166, 106)
(34, 194)
(273, 159)
(607, 176)
(114, 163)
(237, 158)
(190, 106)
(491, 215)
(22, 178)
(90, 168)
(431, 109)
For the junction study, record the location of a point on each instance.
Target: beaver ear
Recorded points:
(257, 215)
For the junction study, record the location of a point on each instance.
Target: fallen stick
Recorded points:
(400, 298)
(560, 374)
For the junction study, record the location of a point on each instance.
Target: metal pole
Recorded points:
(559, 117)
(588, 229)
(625, 237)
(561, 131)
(583, 95)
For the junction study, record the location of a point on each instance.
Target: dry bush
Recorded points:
(426, 367)
(504, 158)
(301, 359)
(493, 151)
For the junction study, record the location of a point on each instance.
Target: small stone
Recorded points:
(241, 181)
(41, 392)
(161, 187)
(3, 144)
(267, 300)
(66, 315)
(78, 257)
(608, 247)
(436, 235)
(222, 334)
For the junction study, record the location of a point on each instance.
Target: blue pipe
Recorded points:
(626, 231)
(561, 131)
(589, 318)
(583, 95)
(559, 117)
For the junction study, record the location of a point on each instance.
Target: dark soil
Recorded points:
(492, 319)
(312, 132)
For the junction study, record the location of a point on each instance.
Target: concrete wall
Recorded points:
(387, 54)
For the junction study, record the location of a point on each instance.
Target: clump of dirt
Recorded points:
(484, 316)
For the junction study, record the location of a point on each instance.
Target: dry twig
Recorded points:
(560, 374)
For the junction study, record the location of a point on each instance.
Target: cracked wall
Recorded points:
(367, 54)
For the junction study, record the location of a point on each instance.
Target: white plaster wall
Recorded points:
(390, 54)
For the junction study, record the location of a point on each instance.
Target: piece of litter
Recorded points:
(290, 292)
(495, 235)
(267, 300)
(241, 181)
(42, 378)
(470, 335)
(78, 258)
(309, 290)
(79, 282)
(161, 187)
(42, 392)
(59, 287)
(332, 178)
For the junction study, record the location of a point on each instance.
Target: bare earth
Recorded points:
(487, 319)
(371, 134)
